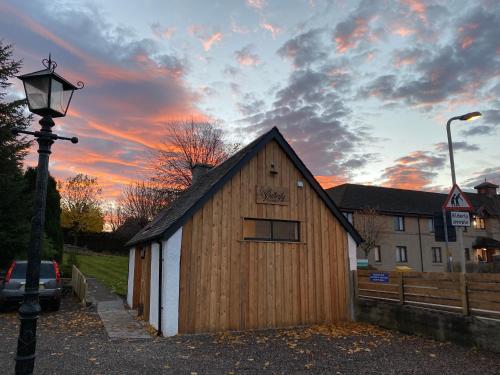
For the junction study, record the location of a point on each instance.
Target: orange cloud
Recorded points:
(418, 7)
(256, 4)
(403, 31)
(327, 182)
(348, 41)
(209, 41)
(274, 30)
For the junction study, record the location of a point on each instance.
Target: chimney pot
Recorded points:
(198, 170)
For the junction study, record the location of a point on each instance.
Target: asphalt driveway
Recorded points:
(73, 341)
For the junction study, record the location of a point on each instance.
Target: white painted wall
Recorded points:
(170, 285)
(153, 295)
(131, 266)
(353, 261)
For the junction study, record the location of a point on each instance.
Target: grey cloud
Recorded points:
(461, 145)
(247, 56)
(487, 174)
(305, 48)
(469, 60)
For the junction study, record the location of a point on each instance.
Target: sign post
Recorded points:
(459, 205)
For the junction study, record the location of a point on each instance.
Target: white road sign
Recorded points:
(460, 219)
(457, 201)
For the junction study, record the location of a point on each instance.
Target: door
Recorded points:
(143, 309)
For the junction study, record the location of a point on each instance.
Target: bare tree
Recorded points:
(142, 201)
(114, 216)
(188, 143)
(369, 223)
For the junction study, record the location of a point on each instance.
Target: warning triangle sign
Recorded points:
(457, 200)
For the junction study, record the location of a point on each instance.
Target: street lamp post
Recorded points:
(48, 95)
(467, 117)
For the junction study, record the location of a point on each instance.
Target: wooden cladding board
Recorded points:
(227, 283)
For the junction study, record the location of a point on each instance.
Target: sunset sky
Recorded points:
(361, 89)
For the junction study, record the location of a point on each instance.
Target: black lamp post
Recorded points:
(48, 95)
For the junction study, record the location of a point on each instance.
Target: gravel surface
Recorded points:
(73, 341)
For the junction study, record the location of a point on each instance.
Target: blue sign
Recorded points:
(379, 277)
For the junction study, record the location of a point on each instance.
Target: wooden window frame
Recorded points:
(271, 238)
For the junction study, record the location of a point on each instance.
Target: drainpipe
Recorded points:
(160, 277)
(420, 244)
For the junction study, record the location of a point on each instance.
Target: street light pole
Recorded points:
(467, 117)
(45, 92)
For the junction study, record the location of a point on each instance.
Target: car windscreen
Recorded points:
(46, 271)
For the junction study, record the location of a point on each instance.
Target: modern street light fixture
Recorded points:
(48, 95)
(467, 117)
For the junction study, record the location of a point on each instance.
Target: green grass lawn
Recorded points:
(111, 270)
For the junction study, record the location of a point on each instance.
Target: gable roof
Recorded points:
(401, 201)
(171, 218)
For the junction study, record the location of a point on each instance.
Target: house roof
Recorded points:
(486, 184)
(401, 201)
(171, 218)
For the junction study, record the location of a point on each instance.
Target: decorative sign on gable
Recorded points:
(272, 195)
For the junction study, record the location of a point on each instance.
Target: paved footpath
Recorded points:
(118, 322)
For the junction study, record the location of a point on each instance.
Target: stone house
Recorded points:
(407, 234)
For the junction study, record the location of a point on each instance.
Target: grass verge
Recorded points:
(111, 270)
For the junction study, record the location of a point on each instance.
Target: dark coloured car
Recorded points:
(12, 287)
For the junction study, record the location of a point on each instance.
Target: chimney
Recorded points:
(198, 170)
(487, 188)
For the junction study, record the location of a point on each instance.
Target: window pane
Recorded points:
(256, 229)
(286, 230)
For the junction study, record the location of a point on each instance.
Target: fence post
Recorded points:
(463, 294)
(401, 289)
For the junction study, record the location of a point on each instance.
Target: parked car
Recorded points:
(12, 287)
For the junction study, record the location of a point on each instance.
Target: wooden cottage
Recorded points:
(254, 243)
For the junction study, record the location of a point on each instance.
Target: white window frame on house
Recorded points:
(437, 255)
(377, 254)
(399, 223)
(431, 225)
(401, 254)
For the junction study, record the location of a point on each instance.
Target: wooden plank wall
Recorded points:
(472, 293)
(227, 283)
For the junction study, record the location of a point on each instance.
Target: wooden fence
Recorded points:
(79, 285)
(471, 294)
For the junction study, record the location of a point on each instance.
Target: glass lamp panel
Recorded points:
(37, 92)
(59, 97)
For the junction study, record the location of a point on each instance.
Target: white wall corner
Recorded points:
(131, 267)
(351, 245)
(153, 295)
(170, 285)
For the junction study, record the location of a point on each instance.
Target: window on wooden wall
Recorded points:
(401, 254)
(436, 255)
(271, 230)
(399, 223)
